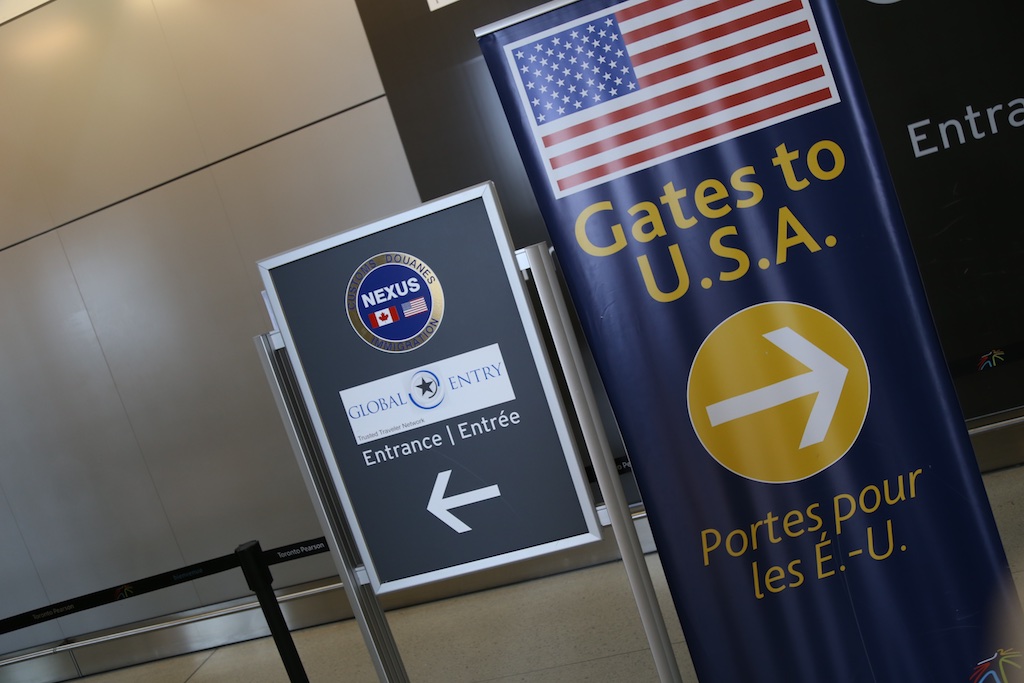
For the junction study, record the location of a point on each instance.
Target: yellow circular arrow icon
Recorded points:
(778, 392)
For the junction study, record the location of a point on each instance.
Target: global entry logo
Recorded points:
(395, 302)
(426, 391)
(448, 388)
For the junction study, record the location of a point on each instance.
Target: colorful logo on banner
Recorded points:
(616, 92)
(995, 668)
(395, 302)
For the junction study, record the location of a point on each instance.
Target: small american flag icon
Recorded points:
(414, 307)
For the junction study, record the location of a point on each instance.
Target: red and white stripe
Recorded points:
(709, 71)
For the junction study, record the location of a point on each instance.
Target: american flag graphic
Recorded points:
(619, 91)
(414, 307)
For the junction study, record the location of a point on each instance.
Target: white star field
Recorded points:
(575, 69)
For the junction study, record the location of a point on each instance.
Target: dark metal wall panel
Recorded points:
(944, 80)
(447, 110)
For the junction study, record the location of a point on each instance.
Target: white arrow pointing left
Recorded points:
(439, 505)
(826, 379)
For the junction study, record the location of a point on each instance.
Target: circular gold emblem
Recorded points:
(395, 302)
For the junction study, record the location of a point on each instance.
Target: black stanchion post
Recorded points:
(257, 575)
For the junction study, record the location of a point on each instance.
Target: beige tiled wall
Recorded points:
(103, 99)
(151, 151)
(254, 69)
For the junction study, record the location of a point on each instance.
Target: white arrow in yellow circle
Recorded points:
(826, 379)
(778, 392)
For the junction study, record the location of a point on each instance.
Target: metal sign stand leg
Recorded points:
(555, 309)
(367, 610)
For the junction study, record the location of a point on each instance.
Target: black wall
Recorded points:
(447, 110)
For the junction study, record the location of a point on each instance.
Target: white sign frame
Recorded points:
(486, 193)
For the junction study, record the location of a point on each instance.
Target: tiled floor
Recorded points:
(579, 626)
(575, 627)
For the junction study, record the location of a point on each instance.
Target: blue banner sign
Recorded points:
(720, 206)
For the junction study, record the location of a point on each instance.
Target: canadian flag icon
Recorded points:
(384, 316)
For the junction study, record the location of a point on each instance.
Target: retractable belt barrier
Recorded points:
(255, 564)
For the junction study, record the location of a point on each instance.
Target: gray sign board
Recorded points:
(423, 371)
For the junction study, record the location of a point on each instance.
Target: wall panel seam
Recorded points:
(199, 169)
